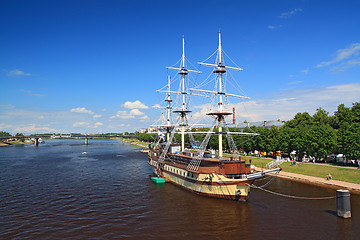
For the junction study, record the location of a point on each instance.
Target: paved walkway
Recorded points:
(352, 187)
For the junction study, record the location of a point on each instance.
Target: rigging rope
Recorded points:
(290, 196)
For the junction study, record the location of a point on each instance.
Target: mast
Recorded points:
(168, 109)
(166, 118)
(219, 70)
(183, 71)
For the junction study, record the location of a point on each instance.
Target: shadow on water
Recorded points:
(331, 212)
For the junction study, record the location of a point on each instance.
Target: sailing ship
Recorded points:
(200, 170)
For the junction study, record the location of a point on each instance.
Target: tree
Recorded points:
(4, 134)
(285, 144)
(321, 117)
(321, 140)
(20, 135)
(351, 141)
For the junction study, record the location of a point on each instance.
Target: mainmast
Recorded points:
(183, 71)
(220, 70)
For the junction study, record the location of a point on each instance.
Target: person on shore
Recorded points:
(328, 177)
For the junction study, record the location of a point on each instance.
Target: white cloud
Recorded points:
(306, 71)
(30, 93)
(156, 106)
(136, 112)
(33, 129)
(5, 127)
(295, 82)
(81, 124)
(346, 65)
(87, 125)
(7, 106)
(144, 118)
(128, 114)
(122, 115)
(285, 106)
(272, 27)
(97, 116)
(290, 13)
(17, 72)
(134, 105)
(82, 110)
(342, 54)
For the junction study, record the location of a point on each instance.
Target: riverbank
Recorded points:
(134, 143)
(2, 144)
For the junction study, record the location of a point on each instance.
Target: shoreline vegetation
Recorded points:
(310, 173)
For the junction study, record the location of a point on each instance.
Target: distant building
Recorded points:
(143, 130)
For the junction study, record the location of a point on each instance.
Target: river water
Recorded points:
(56, 191)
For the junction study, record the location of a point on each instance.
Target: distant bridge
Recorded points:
(86, 136)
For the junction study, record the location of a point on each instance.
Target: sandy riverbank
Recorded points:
(12, 143)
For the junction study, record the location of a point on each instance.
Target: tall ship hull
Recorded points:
(226, 178)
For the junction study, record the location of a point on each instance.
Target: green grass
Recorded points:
(337, 173)
(258, 162)
(16, 143)
(134, 143)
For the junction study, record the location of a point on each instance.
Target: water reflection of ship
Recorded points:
(198, 169)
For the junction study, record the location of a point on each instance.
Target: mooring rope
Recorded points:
(273, 177)
(290, 196)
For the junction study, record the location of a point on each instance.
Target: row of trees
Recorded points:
(318, 135)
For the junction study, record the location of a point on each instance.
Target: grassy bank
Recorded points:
(12, 143)
(315, 170)
(134, 143)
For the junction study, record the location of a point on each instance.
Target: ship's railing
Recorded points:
(275, 163)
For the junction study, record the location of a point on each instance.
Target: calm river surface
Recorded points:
(56, 192)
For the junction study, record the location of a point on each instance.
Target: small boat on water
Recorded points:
(200, 170)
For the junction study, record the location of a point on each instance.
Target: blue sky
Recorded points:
(95, 66)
